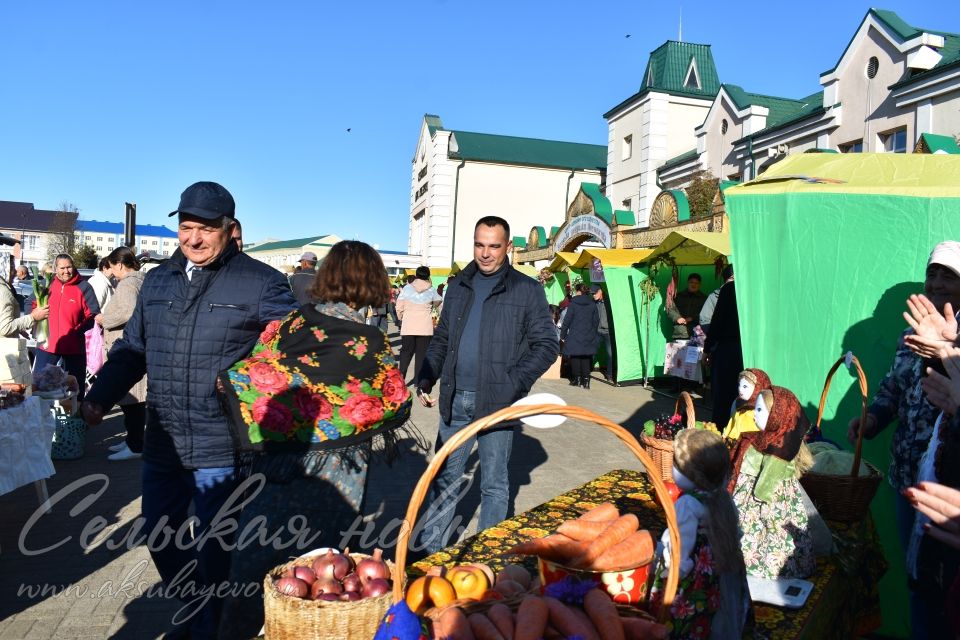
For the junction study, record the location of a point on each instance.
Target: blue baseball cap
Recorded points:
(206, 200)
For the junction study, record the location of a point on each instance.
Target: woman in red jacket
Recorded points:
(73, 305)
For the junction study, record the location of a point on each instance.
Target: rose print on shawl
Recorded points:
(272, 415)
(394, 387)
(269, 332)
(312, 406)
(266, 378)
(357, 347)
(362, 410)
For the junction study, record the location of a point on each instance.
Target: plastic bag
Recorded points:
(95, 354)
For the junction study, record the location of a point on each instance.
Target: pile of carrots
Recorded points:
(599, 540)
(548, 618)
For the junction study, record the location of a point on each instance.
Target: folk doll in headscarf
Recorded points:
(712, 600)
(776, 539)
(749, 385)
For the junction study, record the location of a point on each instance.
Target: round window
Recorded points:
(723, 127)
(872, 66)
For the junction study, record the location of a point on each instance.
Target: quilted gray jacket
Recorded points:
(182, 333)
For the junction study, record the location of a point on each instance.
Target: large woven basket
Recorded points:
(660, 450)
(290, 618)
(514, 413)
(844, 498)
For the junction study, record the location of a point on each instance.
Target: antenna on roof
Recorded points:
(680, 30)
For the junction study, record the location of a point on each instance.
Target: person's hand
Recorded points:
(681, 321)
(423, 394)
(869, 430)
(98, 319)
(92, 413)
(932, 330)
(942, 505)
(40, 313)
(942, 391)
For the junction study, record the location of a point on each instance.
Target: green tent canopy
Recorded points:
(828, 247)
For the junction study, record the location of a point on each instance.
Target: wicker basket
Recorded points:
(844, 498)
(290, 618)
(514, 413)
(660, 450)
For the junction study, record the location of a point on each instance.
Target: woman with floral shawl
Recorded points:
(318, 396)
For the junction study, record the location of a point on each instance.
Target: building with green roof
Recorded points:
(460, 176)
(657, 122)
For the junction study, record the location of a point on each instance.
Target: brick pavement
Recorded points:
(544, 463)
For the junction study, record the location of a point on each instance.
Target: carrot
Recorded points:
(583, 530)
(603, 614)
(619, 531)
(502, 618)
(556, 547)
(509, 588)
(482, 628)
(567, 622)
(636, 550)
(605, 511)
(552, 634)
(641, 629)
(584, 620)
(453, 624)
(531, 619)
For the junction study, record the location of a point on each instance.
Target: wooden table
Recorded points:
(844, 603)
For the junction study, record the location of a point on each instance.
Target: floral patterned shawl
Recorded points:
(315, 382)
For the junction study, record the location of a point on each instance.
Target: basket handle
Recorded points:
(688, 403)
(862, 378)
(513, 413)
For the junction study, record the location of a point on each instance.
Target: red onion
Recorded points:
(373, 568)
(350, 596)
(328, 597)
(352, 583)
(293, 587)
(324, 585)
(376, 587)
(332, 565)
(306, 574)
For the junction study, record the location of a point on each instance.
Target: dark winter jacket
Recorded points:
(73, 306)
(518, 341)
(579, 331)
(183, 332)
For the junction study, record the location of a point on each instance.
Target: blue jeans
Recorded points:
(449, 485)
(167, 494)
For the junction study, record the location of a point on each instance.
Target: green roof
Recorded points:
(433, 123)
(601, 205)
(686, 156)
(669, 67)
(624, 217)
(806, 107)
(780, 108)
(285, 244)
(950, 52)
(486, 147)
(943, 144)
(520, 241)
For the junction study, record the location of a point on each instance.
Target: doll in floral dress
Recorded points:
(712, 599)
(776, 540)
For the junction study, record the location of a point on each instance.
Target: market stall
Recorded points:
(828, 247)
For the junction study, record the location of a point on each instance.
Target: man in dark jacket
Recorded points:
(494, 340)
(198, 313)
(685, 311)
(302, 281)
(724, 350)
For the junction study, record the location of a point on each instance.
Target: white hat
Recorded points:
(947, 254)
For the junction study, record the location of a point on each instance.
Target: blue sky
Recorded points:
(106, 102)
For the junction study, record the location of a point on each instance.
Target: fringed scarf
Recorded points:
(319, 382)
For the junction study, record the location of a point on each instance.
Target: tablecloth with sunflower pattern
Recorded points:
(844, 603)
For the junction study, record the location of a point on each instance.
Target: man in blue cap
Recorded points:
(198, 313)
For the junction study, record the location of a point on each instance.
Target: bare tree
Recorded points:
(60, 237)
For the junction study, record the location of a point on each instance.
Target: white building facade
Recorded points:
(457, 177)
(104, 237)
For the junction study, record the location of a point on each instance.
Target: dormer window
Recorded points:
(693, 77)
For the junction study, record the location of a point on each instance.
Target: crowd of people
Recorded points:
(225, 371)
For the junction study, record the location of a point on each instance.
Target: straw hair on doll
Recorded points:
(749, 385)
(712, 594)
(776, 540)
